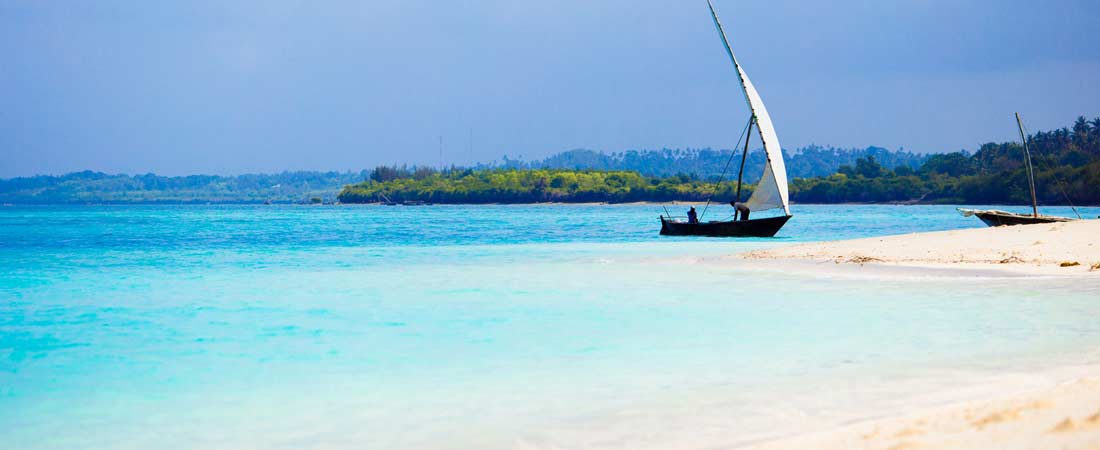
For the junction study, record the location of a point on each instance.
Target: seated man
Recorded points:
(692, 217)
(742, 210)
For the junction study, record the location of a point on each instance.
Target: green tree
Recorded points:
(868, 168)
(952, 164)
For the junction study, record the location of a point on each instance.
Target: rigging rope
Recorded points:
(1058, 181)
(728, 161)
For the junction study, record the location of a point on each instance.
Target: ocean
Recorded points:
(452, 327)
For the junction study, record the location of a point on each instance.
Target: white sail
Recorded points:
(771, 191)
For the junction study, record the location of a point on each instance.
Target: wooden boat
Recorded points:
(766, 227)
(771, 191)
(998, 218)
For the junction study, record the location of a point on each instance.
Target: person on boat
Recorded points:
(692, 217)
(742, 210)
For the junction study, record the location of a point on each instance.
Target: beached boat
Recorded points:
(770, 192)
(997, 218)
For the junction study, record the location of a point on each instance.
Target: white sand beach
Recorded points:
(1063, 415)
(1060, 248)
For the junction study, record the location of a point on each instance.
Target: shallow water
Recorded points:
(481, 327)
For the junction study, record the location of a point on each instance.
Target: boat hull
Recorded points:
(766, 227)
(1000, 220)
(995, 218)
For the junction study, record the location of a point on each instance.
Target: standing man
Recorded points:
(742, 210)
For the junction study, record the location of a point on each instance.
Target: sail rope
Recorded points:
(1053, 174)
(725, 169)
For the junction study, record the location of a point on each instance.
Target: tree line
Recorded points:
(1067, 163)
(811, 161)
(1067, 169)
(531, 186)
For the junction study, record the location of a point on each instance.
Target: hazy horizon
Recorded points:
(264, 87)
(499, 162)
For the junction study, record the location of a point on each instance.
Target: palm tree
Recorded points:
(1080, 131)
(1094, 136)
(1081, 125)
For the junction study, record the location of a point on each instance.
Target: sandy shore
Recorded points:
(1070, 247)
(1066, 416)
(1063, 416)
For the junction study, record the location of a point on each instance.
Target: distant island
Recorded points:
(97, 187)
(1067, 165)
(991, 175)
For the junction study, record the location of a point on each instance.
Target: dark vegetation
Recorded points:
(1067, 166)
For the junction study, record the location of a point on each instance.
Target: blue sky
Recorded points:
(246, 86)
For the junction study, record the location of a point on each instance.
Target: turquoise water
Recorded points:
(480, 327)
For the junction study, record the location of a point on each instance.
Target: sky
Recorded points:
(219, 87)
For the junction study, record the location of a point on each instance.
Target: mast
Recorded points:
(1030, 169)
(744, 155)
